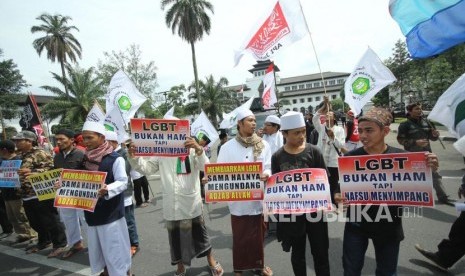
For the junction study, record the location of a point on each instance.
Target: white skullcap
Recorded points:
(94, 126)
(273, 119)
(292, 120)
(241, 114)
(111, 136)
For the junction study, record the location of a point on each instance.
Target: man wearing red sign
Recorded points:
(297, 154)
(365, 222)
(109, 247)
(248, 227)
(182, 204)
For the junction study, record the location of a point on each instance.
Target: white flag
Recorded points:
(122, 93)
(202, 128)
(269, 93)
(169, 114)
(450, 108)
(114, 122)
(368, 78)
(95, 114)
(283, 26)
(230, 119)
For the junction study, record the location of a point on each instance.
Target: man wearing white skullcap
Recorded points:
(272, 134)
(247, 223)
(297, 154)
(112, 138)
(109, 247)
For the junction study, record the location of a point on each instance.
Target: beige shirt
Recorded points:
(181, 192)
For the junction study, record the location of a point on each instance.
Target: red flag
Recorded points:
(285, 25)
(269, 92)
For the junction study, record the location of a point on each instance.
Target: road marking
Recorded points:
(43, 260)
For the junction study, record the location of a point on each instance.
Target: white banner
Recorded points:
(95, 114)
(284, 25)
(114, 122)
(230, 120)
(368, 78)
(123, 94)
(202, 128)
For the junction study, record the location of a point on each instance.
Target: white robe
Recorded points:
(275, 140)
(181, 192)
(233, 152)
(72, 219)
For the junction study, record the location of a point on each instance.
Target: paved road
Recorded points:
(153, 259)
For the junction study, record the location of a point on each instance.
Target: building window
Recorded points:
(340, 81)
(294, 101)
(316, 84)
(301, 86)
(308, 85)
(294, 87)
(287, 88)
(318, 98)
(302, 100)
(333, 97)
(295, 109)
(309, 100)
(332, 82)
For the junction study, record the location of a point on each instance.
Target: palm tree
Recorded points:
(85, 88)
(58, 41)
(216, 99)
(190, 20)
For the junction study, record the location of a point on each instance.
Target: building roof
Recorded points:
(262, 65)
(312, 77)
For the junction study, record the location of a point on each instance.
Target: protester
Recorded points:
(7, 227)
(70, 158)
(12, 197)
(223, 139)
(271, 133)
(248, 227)
(42, 216)
(365, 221)
(309, 126)
(112, 138)
(351, 130)
(414, 134)
(330, 142)
(109, 247)
(182, 204)
(297, 154)
(141, 184)
(452, 249)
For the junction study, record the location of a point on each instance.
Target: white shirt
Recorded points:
(135, 174)
(275, 140)
(326, 145)
(181, 192)
(233, 152)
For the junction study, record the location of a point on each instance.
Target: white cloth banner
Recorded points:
(114, 122)
(284, 25)
(123, 94)
(368, 78)
(230, 119)
(95, 114)
(269, 92)
(202, 128)
(450, 108)
(169, 114)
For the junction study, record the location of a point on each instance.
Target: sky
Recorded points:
(341, 31)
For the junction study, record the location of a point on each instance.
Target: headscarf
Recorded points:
(94, 157)
(253, 141)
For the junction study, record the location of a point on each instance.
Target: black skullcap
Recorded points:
(66, 132)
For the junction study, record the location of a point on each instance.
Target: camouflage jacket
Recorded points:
(37, 160)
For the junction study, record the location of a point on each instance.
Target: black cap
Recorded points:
(7, 145)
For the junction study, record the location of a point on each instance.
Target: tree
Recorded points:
(11, 84)
(84, 88)
(59, 42)
(399, 64)
(190, 20)
(144, 76)
(216, 99)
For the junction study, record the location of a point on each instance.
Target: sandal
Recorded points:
(73, 250)
(184, 273)
(37, 247)
(216, 270)
(56, 252)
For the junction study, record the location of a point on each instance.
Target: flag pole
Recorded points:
(34, 105)
(276, 88)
